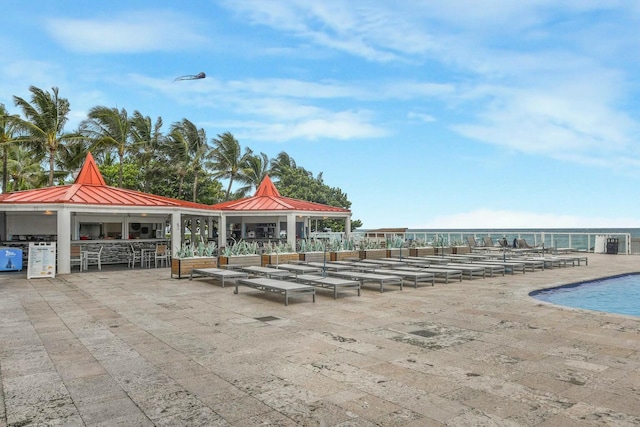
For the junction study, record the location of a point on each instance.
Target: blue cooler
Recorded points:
(10, 259)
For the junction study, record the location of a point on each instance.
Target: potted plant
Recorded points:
(420, 247)
(278, 253)
(241, 253)
(441, 245)
(312, 250)
(395, 247)
(457, 247)
(369, 249)
(341, 250)
(188, 257)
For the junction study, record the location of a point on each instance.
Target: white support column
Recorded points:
(63, 245)
(291, 229)
(222, 231)
(347, 228)
(176, 232)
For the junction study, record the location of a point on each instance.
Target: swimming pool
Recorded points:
(617, 294)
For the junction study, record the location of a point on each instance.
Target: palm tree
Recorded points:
(43, 123)
(147, 143)
(71, 157)
(256, 169)
(24, 169)
(227, 162)
(191, 149)
(8, 136)
(109, 129)
(281, 164)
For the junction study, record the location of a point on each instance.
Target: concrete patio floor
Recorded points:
(137, 348)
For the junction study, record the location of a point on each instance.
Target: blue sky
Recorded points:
(456, 114)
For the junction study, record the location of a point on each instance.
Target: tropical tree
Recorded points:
(24, 169)
(109, 129)
(147, 145)
(43, 123)
(300, 184)
(8, 136)
(281, 164)
(227, 161)
(191, 149)
(255, 170)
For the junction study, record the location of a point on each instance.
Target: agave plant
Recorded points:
(241, 247)
(441, 241)
(311, 245)
(278, 248)
(338, 245)
(419, 243)
(366, 244)
(395, 242)
(201, 249)
(185, 251)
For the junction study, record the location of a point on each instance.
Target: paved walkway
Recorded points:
(136, 348)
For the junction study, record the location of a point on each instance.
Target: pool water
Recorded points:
(619, 294)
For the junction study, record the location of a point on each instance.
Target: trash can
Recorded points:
(612, 246)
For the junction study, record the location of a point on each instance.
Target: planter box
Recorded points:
(314, 256)
(425, 251)
(373, 253)
(442, 250)
(395, 252)
(460, 250)
(182, 267)
(279, 258)
(239, 260)
(343, 255)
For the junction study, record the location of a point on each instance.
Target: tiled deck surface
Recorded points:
(136, 348)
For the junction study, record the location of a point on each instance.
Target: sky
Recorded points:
(427, 114)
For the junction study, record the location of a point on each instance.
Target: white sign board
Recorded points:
(42, 260)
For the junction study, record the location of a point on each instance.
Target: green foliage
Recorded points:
(132, 152)
(298, 183)
(338, 245)
(440, 241)
(130, 175)
(201, 249)
(311, 245)
(395, 242)
(241, 247)
(278, 248)
(369, 244)
(419, 243)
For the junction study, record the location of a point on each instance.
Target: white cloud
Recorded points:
(506, 219)
(134, 32)
(427, 118)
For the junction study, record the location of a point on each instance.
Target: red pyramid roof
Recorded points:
(267, 198)
(90, 174)
(90, 189)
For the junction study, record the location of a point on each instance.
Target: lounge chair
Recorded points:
(488, 242)
(522, 244)
(282, 287)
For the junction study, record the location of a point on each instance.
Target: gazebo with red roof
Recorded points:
(279, 215)
(58, 213)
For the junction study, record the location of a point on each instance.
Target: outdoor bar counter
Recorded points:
(117, 251)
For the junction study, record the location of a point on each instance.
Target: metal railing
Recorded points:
(578, 242)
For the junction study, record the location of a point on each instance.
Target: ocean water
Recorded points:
(620, 294)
